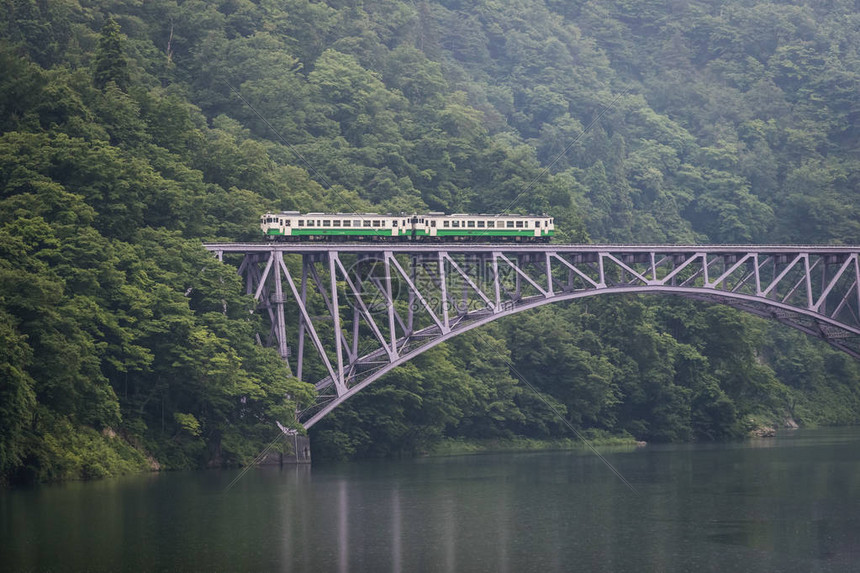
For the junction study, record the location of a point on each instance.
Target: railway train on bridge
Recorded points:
(429, 227)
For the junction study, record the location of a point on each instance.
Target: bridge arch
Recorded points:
(365, 310)
(742, 302)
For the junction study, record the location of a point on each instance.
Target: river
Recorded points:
(789, 503)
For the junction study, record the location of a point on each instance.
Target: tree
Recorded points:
(110, 62)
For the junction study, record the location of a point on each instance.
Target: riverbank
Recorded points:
(461, 447)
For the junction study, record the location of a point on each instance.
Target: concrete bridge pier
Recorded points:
(295, 449)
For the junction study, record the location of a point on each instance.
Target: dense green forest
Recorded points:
(131, 131)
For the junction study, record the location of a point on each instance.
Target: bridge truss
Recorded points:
(343, 315)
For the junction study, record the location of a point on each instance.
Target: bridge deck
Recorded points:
(416, 247)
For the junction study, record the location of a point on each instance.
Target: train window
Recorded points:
(510, 225)
(446, 224)
(335, 223)
(376, 223)
(455, 224)
(480, 224)
(326, 223)
(301, 222)
(520, 224)
(287, 222)
(414, 219)
(471, 224)
(491, 224)
(310, 222)
(366, 223)
(394, 223)
(537, 224)
(346, 222)
(421, 220)
(356, 223)
(432, 223)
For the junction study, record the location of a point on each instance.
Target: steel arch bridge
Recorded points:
(367, 308)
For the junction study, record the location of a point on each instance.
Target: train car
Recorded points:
(292, 225)
(486, 227)
(430, 227)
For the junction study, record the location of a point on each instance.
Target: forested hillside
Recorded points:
(131, 131)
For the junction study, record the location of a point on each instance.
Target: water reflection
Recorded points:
(343, 528)
(396, 531)
(788, 507)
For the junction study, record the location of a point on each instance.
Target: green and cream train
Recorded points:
(293, 226)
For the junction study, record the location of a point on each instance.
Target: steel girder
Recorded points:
(366, 309)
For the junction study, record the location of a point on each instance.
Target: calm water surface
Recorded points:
(790, 503)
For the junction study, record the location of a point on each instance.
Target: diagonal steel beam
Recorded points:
(338, 333)
(332, 307)
(468, 280)
(781, 275)
(833, 282)
(363, 308)
(303, 301)
(389, 303)
(626, 267)
(341, 387)
(389, 307)
(414, 289)
(668, 278)
(844, 302)
(439, 278)
(523, 274)
(729, 272)
(573, 268)
(264, 276)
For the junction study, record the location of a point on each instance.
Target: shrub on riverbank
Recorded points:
(69, 452)
(462, 446)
